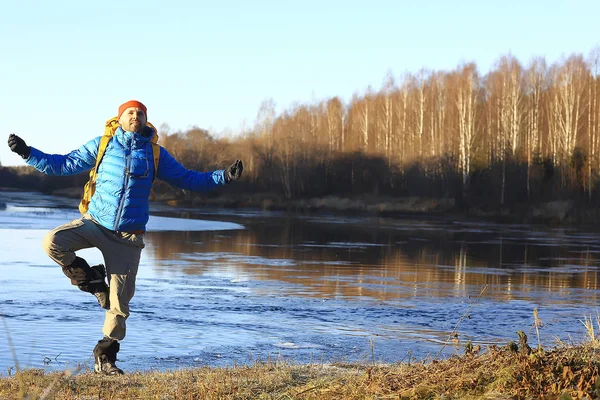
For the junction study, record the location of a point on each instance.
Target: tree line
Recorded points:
(520, 133)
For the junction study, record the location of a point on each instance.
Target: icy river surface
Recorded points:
(222, 288)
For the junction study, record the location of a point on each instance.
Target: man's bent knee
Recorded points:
(51, 246)
(58, 243)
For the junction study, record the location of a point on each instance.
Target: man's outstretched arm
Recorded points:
(77, 161)
(176, 174)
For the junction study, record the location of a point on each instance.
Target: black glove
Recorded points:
(234, 172)
(17, 145)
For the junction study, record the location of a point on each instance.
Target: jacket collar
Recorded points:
(127, 136)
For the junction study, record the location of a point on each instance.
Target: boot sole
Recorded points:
(98, 370)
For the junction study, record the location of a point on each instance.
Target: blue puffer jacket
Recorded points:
(120, 202)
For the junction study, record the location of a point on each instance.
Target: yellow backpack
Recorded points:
(109, 131)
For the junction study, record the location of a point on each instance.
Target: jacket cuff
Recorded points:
(34, 156)
(219, 177)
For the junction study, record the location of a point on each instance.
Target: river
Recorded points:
(229, 287)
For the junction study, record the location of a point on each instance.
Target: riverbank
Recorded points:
(556, 212)
(561, 212)
(514, 371)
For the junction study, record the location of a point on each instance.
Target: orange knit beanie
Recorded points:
(131, 103)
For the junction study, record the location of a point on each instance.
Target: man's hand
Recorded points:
(17, 145)
(234, 172)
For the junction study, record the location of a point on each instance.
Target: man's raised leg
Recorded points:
(62, 242)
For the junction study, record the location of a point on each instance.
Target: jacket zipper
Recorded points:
(126, 182)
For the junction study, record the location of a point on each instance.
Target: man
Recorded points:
(115, 220)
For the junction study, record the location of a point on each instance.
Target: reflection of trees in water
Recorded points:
(383, 264)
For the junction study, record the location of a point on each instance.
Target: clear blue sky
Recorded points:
(65, 66)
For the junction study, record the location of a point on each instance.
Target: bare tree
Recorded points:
(467, 90)
(419, 112)
(263, 145)
(364, 109)
(437, 114)
(593, 115)
(512, 95)
(535, 78)
(402, 107)
(286, 143)
(387, 117)
(568, 81)
(266, 118)
(335, 115)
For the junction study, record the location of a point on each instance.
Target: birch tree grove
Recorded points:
(537, 117)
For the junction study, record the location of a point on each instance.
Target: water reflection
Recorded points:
(389, 260)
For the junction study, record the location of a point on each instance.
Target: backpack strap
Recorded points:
(156, 157)
(90, 187)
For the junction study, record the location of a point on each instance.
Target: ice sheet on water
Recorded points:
(35, 218)
(177, 224)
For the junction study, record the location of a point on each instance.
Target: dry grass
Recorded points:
(588, 323)
(497, 373)
(514, 371)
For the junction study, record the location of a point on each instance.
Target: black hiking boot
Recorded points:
(105, 357)
(89, 279)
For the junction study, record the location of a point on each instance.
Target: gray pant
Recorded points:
(121, 253)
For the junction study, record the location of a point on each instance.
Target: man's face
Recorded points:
(133, 119)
